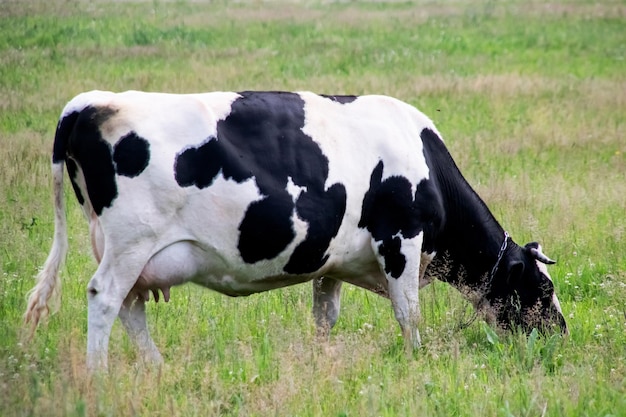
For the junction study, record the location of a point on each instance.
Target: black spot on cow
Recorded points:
(309, 255)
(390, 209)
(72, 170)
(79, 142)
(131, 155)
(198, 166)
(395, 261)
(262, 138)
(94, 155)
(266, 227)
(341, 99)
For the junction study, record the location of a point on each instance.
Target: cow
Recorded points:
(251, 191)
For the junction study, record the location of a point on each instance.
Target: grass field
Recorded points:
(531, 99)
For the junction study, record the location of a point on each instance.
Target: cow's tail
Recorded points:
(45, 296)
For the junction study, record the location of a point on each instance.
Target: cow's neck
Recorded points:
(471, 248)
(470, 244)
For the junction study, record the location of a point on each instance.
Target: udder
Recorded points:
(173, 265)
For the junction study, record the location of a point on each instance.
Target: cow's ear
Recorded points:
(515, 271)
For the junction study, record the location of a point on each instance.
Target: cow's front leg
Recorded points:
(400, 259)
(326, 303)
(133, 317)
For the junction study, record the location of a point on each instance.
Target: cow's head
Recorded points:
(524, 296)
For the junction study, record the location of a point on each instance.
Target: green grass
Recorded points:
(531, 100)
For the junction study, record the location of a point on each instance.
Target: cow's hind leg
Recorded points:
(133, 317)
(106, 292)
(326, 302)
(400, 259)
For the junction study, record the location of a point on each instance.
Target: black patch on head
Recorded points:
(131, 155)
(390, 208)
(262, 139)
(341, 99)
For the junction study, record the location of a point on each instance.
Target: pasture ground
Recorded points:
(531, 99)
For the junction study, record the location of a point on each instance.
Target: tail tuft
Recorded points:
(44, 298)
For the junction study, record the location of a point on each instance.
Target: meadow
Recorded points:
(531, 100)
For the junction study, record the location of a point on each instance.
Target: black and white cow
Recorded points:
(246, 192)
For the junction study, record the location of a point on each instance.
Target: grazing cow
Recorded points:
(247, 192)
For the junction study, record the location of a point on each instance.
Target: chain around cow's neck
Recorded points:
(492, 275)
(500, 255)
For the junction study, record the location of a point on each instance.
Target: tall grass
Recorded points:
(531, 99)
